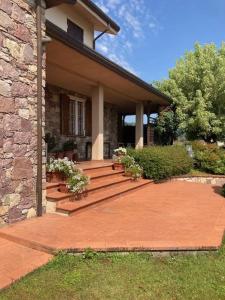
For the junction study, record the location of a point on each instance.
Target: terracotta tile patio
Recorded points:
(173, 215)
(162, 217)
(17, 260)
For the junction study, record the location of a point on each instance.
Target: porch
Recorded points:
(88, 97)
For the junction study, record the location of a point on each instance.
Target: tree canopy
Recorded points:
(197, 87)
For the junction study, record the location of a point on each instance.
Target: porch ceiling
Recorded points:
(71, 69)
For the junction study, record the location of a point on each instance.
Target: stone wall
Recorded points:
(213, 179)
(53, 122)
(18, 113)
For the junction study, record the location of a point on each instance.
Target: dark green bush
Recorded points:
(209, 158)
(162, 162)
(223, 190)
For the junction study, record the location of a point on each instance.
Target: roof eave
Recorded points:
(58, 34)
(91, 5)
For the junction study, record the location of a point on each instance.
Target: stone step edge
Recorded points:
(50, 185)
(92, 190)
(110, 165)
(54, 251)
(29, 244)
(107, 174)
(99, 201)
(109, 184)
(112, 174)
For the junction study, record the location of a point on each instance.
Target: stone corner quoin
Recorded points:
(18, 111)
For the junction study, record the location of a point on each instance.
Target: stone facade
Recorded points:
(18, 113)
(53, 123)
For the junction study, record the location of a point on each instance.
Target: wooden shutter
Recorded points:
(88, 118)
(64, 113)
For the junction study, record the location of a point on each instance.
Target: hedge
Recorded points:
(223, 190)
(209, 158)
(162, 162)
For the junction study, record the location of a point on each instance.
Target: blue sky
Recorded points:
(154, 34)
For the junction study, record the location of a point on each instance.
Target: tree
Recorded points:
(197, 87)
(166, 127)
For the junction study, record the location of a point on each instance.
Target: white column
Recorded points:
(98, 123)
(139, 138)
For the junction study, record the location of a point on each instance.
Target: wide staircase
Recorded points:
(105, 184)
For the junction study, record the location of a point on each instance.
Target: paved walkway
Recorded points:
(168, 216)
(17, 260)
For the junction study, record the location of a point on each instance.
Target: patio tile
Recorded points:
(17, 260)
(172, 215)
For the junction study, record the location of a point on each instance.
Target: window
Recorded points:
(75, 31)
(72, 116)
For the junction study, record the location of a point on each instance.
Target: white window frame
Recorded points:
(83, 101)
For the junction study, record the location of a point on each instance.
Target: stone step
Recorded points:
(51, 187)
(58, 196)
(102, 173)
(94, 187)
(107, 182)
(71, 207)
(106, 167)
(104, 183)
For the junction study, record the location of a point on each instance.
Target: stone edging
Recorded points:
(205, 179)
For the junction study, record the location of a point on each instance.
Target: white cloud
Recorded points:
(103, 48)
(152, 25)
(136, 22)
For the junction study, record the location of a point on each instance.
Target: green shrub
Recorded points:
(162, 162)
(127, 161)
(209, 158)
(223, 190)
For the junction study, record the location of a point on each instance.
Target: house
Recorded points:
(54, 81)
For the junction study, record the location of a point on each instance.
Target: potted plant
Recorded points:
(127, 161)
(135, 171)
(63, 186)
(69, 148)
(117, 163)
(117, 158)
(77, 185)
(120, 151)
(59, 169)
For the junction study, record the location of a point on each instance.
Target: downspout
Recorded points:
(100, 35)
(39, 13)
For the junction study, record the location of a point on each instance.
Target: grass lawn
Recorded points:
(133, 277)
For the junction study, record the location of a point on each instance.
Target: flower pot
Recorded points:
(118, 166)
(63, 188)
(56, 177)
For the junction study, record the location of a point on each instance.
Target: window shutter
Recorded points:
(88, 118)
(64, 113)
